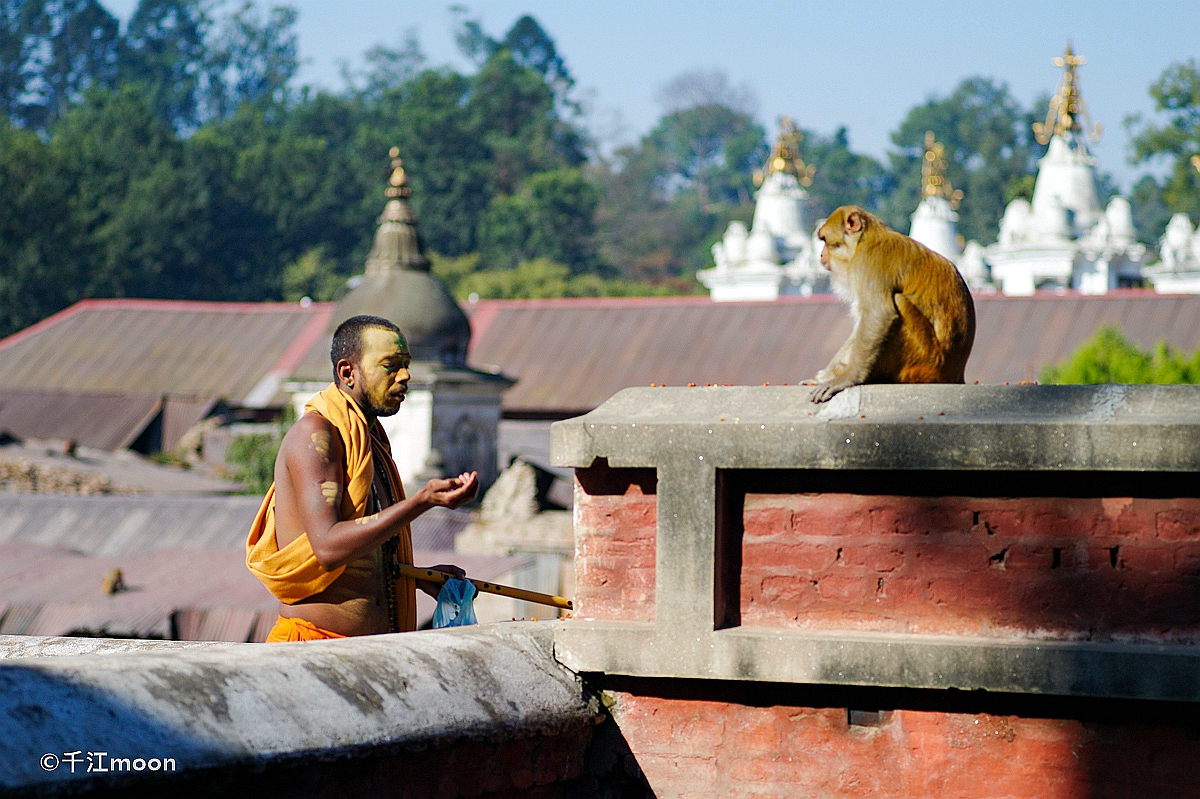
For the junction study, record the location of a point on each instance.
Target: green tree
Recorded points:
(550, 217)
(252, 59)
(1176, 95)
(989, 148)
(54, 51)
(37, 269)
(841, 177)
(1109, 357)
(165, 49)
(1150, 211)
(666, 200)
(134, 222)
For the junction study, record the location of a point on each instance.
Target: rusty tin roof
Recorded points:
(568, 356)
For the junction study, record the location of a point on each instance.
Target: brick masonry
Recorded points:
(1040, 567)
(615, 514)
(1097, 569)
(700, 749)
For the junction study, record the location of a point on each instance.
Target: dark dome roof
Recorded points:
(420, 305)
(398, 286)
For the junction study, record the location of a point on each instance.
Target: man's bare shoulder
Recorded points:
(311, 439)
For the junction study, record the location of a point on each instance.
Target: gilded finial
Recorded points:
(1067, 107)
(398, 180)
(785, 156)
(933, 173)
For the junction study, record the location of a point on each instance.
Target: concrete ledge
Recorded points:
(252, 705)
(1058, 668)
(1028, 428)
(48, 646)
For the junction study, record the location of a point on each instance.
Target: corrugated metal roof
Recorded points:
(200, 349)
(103, 421)
(132, 525)
(199, 595)
(119, 525)
(569, 356)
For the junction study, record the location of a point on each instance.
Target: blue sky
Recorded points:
(859, 64)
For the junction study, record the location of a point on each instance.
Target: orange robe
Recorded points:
(289, 629)
(293, 573)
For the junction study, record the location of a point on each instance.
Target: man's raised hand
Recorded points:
(452, 492)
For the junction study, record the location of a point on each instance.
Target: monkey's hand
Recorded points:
(826, 389)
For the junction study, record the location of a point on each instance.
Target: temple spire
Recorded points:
(1067, 108)
(397, 241)
(785, 156)
(933, 173)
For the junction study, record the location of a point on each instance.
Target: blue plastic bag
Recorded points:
(455, 607)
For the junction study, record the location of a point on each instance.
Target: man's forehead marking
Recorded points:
(392, 337)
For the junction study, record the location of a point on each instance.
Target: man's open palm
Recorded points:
(454, 491)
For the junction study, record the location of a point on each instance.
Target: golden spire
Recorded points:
(1067, 106)
(933, 173)
(785, 156)
(398, 181)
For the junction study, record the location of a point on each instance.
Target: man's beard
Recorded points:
(376, 411)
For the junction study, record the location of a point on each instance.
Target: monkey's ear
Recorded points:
(855, 222)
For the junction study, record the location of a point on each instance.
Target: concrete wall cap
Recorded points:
(1112, 427)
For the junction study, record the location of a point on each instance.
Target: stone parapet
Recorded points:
(472, 711)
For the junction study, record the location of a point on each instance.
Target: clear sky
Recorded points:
(860, 64)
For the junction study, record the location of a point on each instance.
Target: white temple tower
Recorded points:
(1063, 238)
(1178, 270)
(776, 254)
(935, 222)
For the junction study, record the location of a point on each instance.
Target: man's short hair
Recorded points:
(347, 339)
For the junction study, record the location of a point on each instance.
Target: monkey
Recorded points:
(114, 582)
(914, 321)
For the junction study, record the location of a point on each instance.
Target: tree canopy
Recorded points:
(178, 158)
(1176, 96)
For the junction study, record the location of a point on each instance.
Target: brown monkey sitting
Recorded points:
(914, 321)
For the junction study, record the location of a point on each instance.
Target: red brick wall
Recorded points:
(1125, 567)
(1094, 568)
(699, 748)
(616, 511)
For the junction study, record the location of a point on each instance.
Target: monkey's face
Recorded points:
(840, 235)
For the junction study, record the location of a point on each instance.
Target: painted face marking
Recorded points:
(367, 519)
(330, 491)
(321, 443)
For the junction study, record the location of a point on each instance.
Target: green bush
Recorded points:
(254, 457)
(1109, 357)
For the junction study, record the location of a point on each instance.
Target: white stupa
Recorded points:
(775, 255)
(935, 222)
(1178, 270)
(1064, 238)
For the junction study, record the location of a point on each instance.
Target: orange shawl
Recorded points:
(293, 573)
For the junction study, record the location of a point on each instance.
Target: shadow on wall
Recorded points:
(1104, 557)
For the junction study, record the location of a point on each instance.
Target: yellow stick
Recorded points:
(418, 573)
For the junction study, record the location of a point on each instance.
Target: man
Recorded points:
(335, 522)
